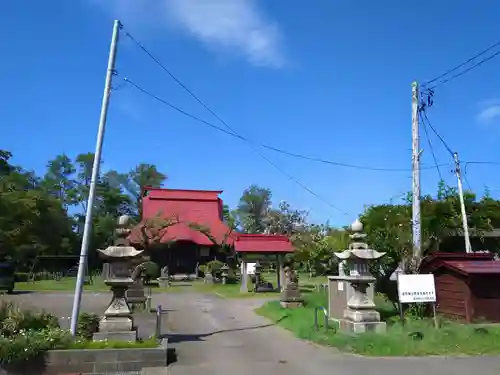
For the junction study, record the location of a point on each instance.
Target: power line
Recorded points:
(430, 146)
(164, 68)
(436, 132)
(446, 80)
(290, 177)
(272, 148)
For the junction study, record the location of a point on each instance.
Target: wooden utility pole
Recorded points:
(458, 172)
(416, 229)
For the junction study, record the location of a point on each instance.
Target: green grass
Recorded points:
(450, 339)
(150, 343)
(66, 284)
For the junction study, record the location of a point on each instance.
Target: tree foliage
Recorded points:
(45, 215)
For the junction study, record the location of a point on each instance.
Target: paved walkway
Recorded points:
(219, 337)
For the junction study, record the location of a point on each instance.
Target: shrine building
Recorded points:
(199, 234)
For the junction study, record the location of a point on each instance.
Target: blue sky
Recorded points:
(330, 79)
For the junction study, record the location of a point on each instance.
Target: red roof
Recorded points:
(199, 207)
(464, 263)
(474, 267)
(262, 243)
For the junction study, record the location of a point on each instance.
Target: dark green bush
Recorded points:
(88, 324)
(21, 277)
(151, 271)
(214, 267)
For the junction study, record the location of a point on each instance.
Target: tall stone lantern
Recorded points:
(117, 323)
(359, 313)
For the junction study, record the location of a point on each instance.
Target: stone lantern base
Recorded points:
(351, 326)
(117, 323)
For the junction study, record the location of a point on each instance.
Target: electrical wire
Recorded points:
(436, 132)
(234, 134)
(479, 63)
(272, 148)
(430, 146)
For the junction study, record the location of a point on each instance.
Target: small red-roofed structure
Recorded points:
(258, 245)
(196, 231)
(466, 285)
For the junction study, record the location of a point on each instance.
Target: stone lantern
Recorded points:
(359, 314)
(258, 272)
(117, 322)
(224, 273)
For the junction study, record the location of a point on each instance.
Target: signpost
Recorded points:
(417, 289)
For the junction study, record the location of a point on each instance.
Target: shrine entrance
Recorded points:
(181, 257)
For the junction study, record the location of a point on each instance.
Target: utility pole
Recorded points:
(415, 136)
(458, 172)
(93, 182)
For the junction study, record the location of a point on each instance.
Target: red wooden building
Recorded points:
(188, 246)
(466, 285)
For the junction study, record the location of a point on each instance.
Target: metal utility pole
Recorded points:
(416, 229)
(93, 182)
(458, 172)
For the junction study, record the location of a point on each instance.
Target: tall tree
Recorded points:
(58, 180)
(285, 220)
(136, 180)
(253, 209)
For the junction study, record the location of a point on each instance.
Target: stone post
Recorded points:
(224, 273)
(290, 297)
(164, 278)
(244, 275)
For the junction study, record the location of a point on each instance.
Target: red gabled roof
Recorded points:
(187, 207)
(262, 243)
(464, 263)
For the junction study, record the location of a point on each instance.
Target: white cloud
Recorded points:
(489, 111)
(229, 26)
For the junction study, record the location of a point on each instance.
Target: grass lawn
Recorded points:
(450, 339)
(66, 284)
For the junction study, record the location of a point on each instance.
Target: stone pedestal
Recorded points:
(135, 293)
(290, 296)
(164, 281)
(117, 323)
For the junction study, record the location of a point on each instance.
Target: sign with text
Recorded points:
(416, 288)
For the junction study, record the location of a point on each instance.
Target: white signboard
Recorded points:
(416, 288)
(250, 268)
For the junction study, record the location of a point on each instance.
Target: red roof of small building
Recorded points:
(464, 263)
(262, 243)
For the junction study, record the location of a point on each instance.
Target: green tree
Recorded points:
(58, 180)
(136, 180)
(253, 209)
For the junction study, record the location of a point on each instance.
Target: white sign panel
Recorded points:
(416, 288)
(250, 268)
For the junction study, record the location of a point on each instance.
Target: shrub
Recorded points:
(14, 320)
(214, 267)
(88, 324)
(21, 277)
(151, 271)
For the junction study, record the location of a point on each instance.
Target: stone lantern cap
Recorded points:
(225, 267)
(119, 252)
(358, 248)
